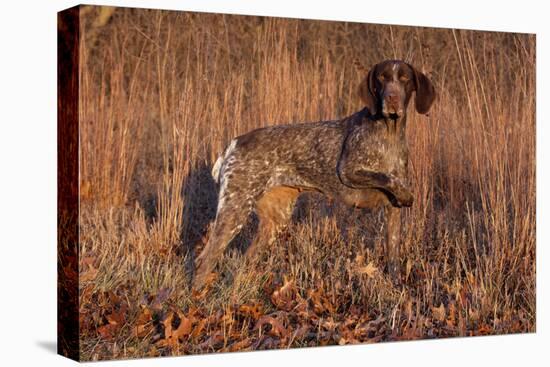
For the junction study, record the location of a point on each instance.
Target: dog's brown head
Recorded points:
(388, 87)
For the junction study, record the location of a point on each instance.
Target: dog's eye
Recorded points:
(404, 78)
(381, 77)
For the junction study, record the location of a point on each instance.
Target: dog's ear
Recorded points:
(367, 92)
(425, 92)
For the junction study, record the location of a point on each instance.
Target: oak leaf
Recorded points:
(254, 311)
(277, 328)
(89, 275)
(107, 331)
(184, 328)
(144, 323)
(283, 297)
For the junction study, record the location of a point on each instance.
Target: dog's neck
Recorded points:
(396, 127)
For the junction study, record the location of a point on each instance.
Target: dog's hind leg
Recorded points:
(229, 220)
(274, 209)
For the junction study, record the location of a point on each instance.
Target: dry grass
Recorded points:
(161, 95)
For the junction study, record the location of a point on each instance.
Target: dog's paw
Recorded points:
(201, 284)
(405, 198)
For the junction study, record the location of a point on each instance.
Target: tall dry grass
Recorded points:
(162, 93)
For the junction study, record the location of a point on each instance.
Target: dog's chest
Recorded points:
(378, 147)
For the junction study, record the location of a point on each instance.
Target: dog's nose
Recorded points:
(393, 99)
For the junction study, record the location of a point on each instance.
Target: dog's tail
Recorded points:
(216, 169)
(220, 162)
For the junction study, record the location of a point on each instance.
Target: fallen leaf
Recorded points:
(321, 303)
(330, 324)
(107, 331)
(89, 275)
(240, 345)
(116, 317)
(301, 332)
(176, 326)
(266, 342)
(198, 329)
(277, 328)
(484, 330)
(167, 323)
(254, 311)
(88, 260)
(144, 323)
(283, 297)
(213, 341)
(184, 328)
(142, 330)
(153, 352)
(376, 323)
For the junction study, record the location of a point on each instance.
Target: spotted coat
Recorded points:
(360, 160)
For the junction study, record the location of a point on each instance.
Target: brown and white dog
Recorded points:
(360, 160)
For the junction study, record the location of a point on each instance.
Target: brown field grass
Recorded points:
(162, 93)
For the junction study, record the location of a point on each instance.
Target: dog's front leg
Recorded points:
(393, 239)
(365, 179)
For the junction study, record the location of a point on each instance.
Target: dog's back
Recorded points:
(300, 155)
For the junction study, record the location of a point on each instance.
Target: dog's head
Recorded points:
(388, 87)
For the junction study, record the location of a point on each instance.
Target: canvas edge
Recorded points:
(68, 40)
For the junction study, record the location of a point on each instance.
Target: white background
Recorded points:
(28, 181)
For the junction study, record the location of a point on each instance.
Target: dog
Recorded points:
(360, 160)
